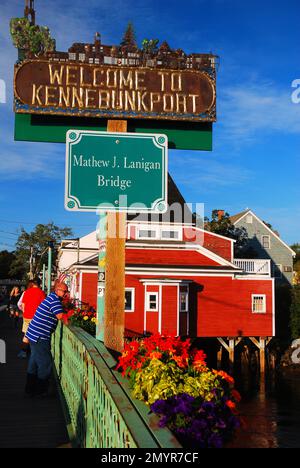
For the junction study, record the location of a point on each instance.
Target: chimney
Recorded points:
(221, 213)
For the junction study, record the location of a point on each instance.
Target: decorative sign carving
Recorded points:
(124, 92)
(111, 81)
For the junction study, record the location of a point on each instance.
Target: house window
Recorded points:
(277, 270)
(146, 234)
(152, 301)
(266, 243)
(91, 60)
(258, 303)
(170, 234)
(82, 57)
(129, 299)
(249, 219)
(183, 301)
(97, 61)
(72, 56)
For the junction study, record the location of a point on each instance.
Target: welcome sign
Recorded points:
(46, 87)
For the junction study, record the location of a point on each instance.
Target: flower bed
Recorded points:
(84, 316)
(197, 403)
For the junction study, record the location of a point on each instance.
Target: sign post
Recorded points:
(101, 236)
(156, 89)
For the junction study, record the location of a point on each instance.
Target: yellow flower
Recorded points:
(94, 320)
(85, 317)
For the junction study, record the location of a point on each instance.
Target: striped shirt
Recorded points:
(44, 321)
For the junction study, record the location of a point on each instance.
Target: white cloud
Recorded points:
(26, 161)
(251, 111)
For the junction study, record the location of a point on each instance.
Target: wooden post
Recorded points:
(231, 354)
(114, 317)
(219, 358)
(101, 236)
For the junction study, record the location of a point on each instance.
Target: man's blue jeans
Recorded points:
(40, 362)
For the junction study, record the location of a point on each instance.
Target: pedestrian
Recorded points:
(39, 334)
(28, 303)
(14, 297)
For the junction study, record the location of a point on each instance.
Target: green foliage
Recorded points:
(202, 385)
(36, 242)
(295, 312)
(6, 259)
(149, 46)
(32, 38)
(158, 381)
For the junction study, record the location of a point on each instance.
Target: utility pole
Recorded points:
(50, 247)
(31, 264)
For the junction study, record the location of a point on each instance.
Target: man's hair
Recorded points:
(36, 282)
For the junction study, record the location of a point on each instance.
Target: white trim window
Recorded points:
(147, 234)
(129, 299)
(159, 232)
(81, 57)
(152, 301)
(72, 56)
(170, 234)
(249, 219)
(259, 304)
(266, 242)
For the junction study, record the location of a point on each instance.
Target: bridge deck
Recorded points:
(33, 422)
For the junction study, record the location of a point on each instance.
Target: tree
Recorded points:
(32, 246)
(295, 312)
(6, 259)
(222, 225)
(149, 46)
(296, 249)
(129, 37)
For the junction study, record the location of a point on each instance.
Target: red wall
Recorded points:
(167, 257)
(221, 306)
(218, 245)
(89, 288)
(224, 307)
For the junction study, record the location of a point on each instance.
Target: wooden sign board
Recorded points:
(46, 87)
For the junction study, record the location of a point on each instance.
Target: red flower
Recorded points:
(236, 395)
(199, 360)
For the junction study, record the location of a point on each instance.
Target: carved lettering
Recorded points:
(71, 75)
(36, 95)
(56, 76)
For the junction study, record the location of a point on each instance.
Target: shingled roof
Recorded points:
(174, 196)
(236, 217)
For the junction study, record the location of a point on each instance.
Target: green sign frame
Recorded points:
(53, 129)
(110, 171)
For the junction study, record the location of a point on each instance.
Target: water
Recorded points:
(271, 415)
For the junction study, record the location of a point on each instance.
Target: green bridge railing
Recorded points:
(99, 408)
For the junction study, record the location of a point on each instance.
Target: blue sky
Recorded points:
(255, 159)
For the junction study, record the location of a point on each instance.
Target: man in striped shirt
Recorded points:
(39, 333)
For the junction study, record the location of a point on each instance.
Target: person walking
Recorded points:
(28, 303)
(14, 297)
(39, 333)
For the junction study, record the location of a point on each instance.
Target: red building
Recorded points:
(182, 280)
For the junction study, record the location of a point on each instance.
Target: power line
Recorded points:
(12, 233)
(8, 245)
(21, 222)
